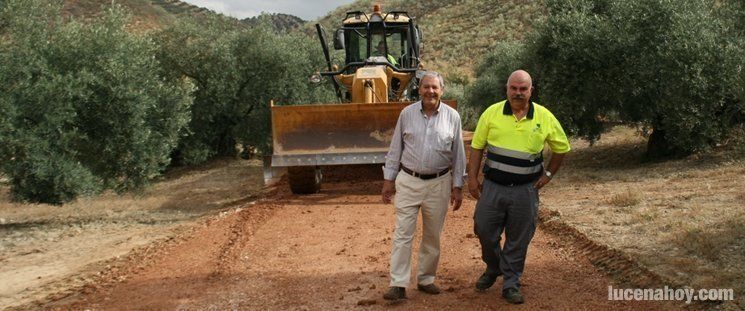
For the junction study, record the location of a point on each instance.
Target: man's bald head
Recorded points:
(519, 88)
(520, 76)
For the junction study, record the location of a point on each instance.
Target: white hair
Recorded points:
(435, 74)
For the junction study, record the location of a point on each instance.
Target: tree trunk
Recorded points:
(659, 146)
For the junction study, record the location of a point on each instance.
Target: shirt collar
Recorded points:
(507, 110)
(437, 111)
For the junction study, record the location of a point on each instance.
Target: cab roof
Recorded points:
(393, 17)
(364, 19)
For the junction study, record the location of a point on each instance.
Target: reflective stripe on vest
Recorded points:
(514, 169)
(520, 156)
(513, 153)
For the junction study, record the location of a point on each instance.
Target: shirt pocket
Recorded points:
(408, 137)
(537, 138)
(444, 140)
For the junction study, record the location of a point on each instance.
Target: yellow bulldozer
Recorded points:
(379, 78)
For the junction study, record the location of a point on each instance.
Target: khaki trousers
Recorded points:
(412, 195)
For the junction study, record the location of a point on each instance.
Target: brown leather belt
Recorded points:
(424, 176)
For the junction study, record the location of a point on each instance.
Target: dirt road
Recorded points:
(331, 251)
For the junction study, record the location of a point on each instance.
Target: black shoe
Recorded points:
(513, 296)
(395, 293)
(431, 289)
(485, 281)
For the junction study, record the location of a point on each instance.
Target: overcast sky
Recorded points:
(305, 9)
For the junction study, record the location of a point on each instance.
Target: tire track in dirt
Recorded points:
(165, 274)
(612, 261)
(331, 251)
(240, 232)
(621, 267)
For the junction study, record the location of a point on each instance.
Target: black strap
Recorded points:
(424, 176)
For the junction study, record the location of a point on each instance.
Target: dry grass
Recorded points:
(624, 199)
(187, 192)
(646, 214)
(683, 219)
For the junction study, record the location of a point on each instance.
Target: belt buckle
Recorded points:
(442, 173)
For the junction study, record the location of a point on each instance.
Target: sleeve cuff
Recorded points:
(458, 183)
(564, 150)
(389, 174)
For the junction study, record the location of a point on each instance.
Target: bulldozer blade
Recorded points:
(333, 134)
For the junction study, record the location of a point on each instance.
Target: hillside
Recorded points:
(456, 33)
(149, 14)
(146, 14)
(280, 22)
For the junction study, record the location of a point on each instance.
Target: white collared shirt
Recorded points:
(427, 145)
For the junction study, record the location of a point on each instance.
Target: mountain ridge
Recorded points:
(151, 14)
(279, 21)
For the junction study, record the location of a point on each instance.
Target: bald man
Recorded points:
(513, 132)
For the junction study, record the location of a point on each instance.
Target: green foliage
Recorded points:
(86, 108)
(237, 71)
(455, 90)
(492, 73)
(666, 64)
(733, 14)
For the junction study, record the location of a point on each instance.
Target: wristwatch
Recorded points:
(548, 174)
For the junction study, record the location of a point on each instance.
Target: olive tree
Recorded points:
(237, 71)
(659, 63)
(84, 107)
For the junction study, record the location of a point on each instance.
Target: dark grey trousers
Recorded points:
(514, 211)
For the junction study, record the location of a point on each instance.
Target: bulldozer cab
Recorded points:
(380, 47)
(391, 38)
